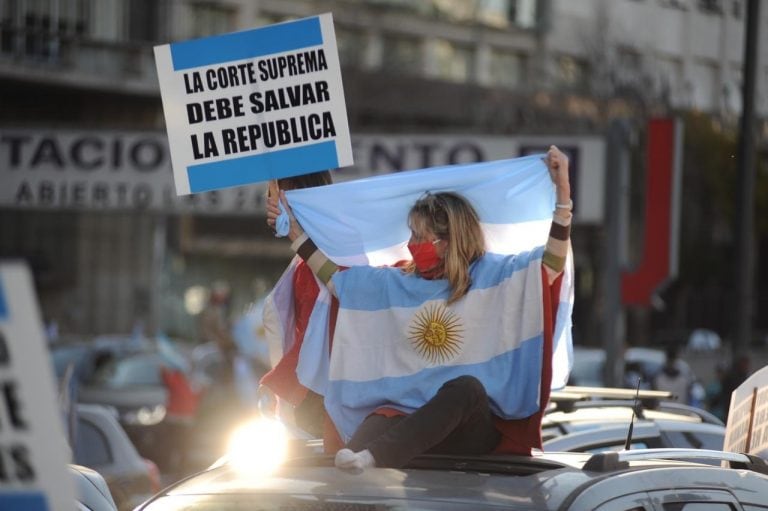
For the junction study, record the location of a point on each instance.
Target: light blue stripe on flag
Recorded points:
(25, 501)
(247, 44)
(3, 306)
(262, 167)
(398, 291)
(379, 205)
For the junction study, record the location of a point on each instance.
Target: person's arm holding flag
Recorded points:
(556, 249)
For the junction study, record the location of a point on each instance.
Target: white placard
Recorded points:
(33, 449)
(255, 105)
(747, 425)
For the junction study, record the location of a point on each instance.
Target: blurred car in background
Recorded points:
(589, 366)
(645, 434)
(86, 356)
(102, 444)
(91, 491)
(587, 419)
(132, 385)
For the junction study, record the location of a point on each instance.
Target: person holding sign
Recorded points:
(450, 300)
(282, 380)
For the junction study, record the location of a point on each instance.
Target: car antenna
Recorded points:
(632, 420)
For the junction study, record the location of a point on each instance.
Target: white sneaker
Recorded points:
(347, 459)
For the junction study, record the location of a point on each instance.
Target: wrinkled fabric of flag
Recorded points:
(396, 340)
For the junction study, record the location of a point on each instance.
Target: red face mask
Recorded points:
(425, 257)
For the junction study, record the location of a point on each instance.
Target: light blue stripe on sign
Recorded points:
(248, 44)
(25, 501)
(3, 306)
(262, 167)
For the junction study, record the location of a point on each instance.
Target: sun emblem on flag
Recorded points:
(435, 332)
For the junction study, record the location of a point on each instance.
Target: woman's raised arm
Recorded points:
(556, 249)
(304, 247)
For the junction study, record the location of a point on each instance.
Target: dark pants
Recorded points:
(456, 421)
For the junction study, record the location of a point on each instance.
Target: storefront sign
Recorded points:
(103, 170)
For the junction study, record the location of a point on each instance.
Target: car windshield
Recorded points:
(136, 370)
(63, 356)
(248, 502)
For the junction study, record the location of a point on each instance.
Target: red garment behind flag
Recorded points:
(519, 436)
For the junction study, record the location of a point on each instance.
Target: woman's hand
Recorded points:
(273, 211)
(557, 163)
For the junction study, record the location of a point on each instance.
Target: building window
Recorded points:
(494, 13)
(683, 5)
(452, 62)
(572, 72)
(401, 54)
(671, 84)
(210, 18)
(711, 6)
(704, 80)
(523, 13)
(351, 46)
(507, 69)
(737, 8)
(35, 28)
(146, 20)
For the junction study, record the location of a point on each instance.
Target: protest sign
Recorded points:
(255, 105)
(33, 449)
(747, 425)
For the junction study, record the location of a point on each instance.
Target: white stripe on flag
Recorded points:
(375, 344)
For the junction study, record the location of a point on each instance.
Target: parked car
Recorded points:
(579, 409)
(645, 434)
(589, 365)
(132, 385)
(91, 491)
(642, 480)
(102, 444)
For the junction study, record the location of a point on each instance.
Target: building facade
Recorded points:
(85, 181)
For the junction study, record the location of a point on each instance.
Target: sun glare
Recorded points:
(258, 447)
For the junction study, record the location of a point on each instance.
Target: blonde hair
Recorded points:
(453, 219)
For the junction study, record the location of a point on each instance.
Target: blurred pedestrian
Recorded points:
(181, 408)
(738, 372)
(676, 377)
(215, 328)
(306, 406)
(715, 401)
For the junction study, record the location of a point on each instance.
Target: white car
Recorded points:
(91, 490)
(103, 445)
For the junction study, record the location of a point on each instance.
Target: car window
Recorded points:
(699, 506)
(614, 447)
(632, 502)
(130, 371)
(697, 440)
(92, 447)
(306, 503)
(696, 500)
(64, 355)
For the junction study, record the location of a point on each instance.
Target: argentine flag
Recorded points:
(396, 340)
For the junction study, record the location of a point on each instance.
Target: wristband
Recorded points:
(568, 206)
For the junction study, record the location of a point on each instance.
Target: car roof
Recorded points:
(544, 481)
(91, 489)
(617, 434)
(599, 404)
